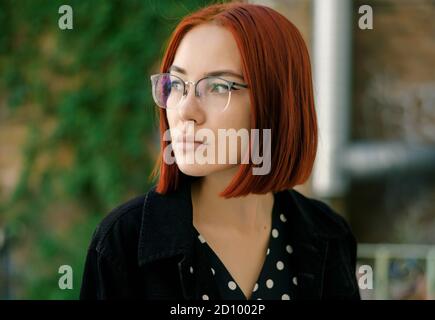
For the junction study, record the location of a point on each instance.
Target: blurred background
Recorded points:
(78, 131)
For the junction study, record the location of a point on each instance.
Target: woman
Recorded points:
(228, 229)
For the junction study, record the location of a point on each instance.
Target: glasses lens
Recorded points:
(167, 90)
(213, 93)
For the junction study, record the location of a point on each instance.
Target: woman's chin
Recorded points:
(199, 170)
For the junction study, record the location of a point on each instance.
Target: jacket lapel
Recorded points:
(166, 228)
(310, 247)
(167, 233)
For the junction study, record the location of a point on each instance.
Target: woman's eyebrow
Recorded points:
(212, 73)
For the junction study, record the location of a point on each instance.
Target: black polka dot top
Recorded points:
(276, 280)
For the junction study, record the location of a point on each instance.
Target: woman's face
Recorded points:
(205, 49)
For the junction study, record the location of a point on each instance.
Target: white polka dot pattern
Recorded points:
(232, 285)
(271, 281)
(201, 238)
(275, 233)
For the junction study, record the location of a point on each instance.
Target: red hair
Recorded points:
(276, 65)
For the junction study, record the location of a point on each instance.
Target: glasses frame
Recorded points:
(232, 86)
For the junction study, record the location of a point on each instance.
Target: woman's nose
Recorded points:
(189, 107)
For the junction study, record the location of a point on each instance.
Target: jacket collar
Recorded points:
(167, 231)
(167, 224)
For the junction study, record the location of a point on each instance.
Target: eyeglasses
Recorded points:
(213, 92)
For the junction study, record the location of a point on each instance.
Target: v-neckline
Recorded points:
(262, 270)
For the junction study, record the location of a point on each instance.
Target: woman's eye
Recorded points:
(176, 85)
(219, 88)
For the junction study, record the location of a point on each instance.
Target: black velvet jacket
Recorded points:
(144, 249)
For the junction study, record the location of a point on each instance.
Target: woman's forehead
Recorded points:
(206, 48)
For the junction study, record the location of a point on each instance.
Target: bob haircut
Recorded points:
(276, 65)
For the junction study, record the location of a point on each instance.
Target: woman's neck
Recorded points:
(242, 215)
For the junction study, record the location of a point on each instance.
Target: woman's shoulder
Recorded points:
(337, 242)
(320, 216)
(119, 230)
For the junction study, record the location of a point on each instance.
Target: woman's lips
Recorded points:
(187, 145)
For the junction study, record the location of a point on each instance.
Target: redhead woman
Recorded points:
(223, 221)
